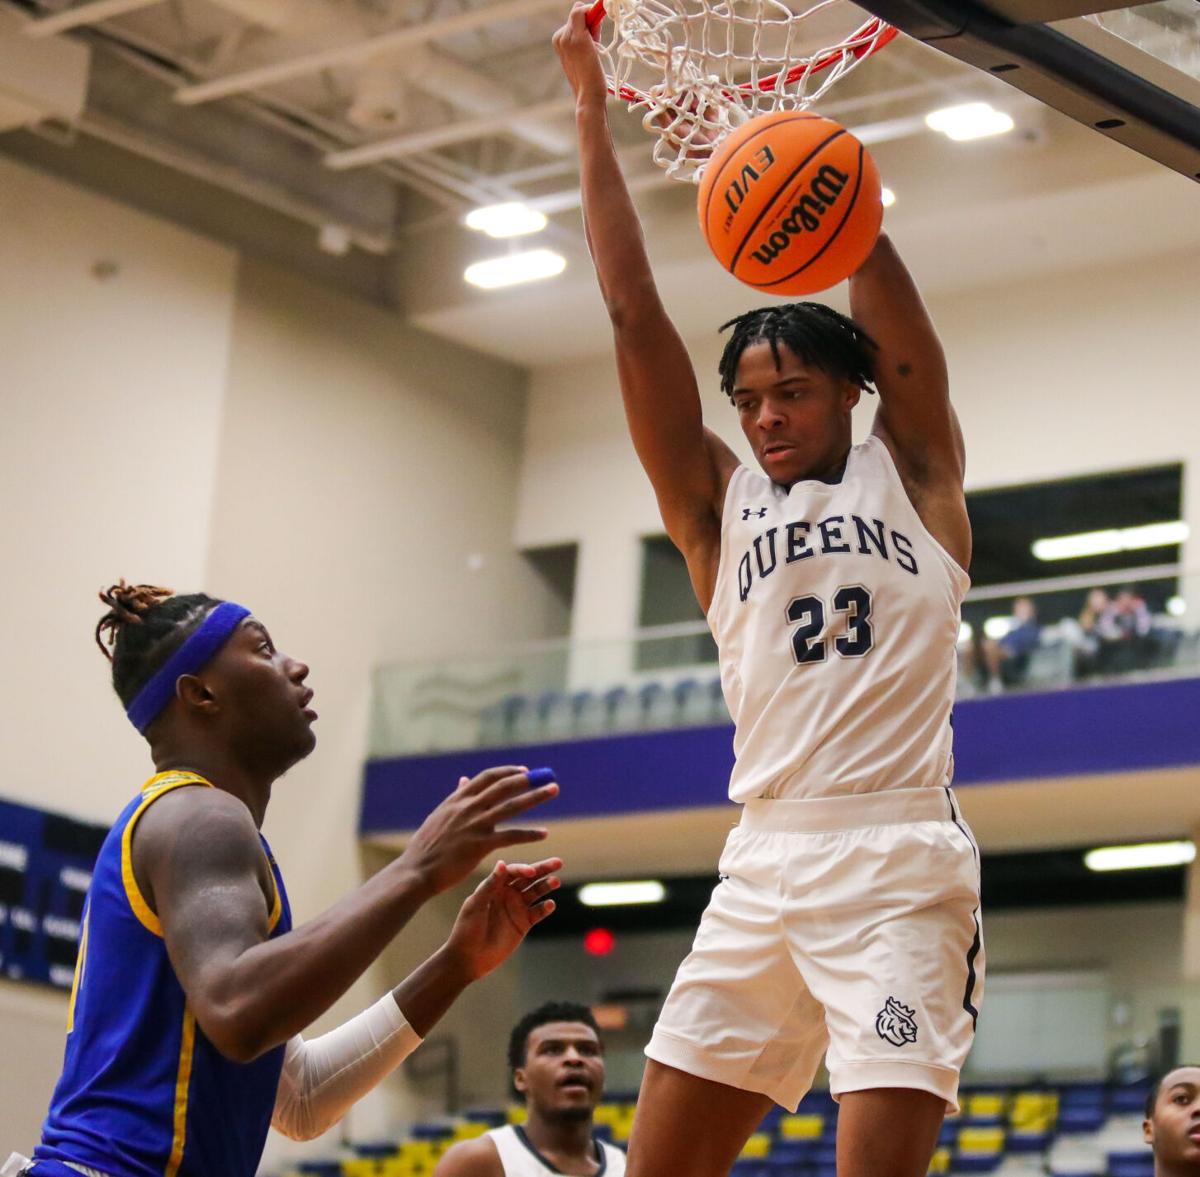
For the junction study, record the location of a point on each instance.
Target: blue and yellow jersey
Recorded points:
(143, 1092)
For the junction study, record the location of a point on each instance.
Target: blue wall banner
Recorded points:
(46, 864)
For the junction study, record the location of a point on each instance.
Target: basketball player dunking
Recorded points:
(191, 989)
(846, 919)
(556, 1064)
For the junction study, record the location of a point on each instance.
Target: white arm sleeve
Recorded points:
(321, 1079)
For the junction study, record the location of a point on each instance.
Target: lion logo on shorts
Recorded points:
(896, 1023)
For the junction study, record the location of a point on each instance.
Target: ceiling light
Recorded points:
(1112, 539)
(997, 627)
(1147, 854)
(513, 268)
(965, 632)
(620, 894)
(971, 120)
(513, 219)
(888, 197)
(1176, 606)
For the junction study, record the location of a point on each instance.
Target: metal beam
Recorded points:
(417, 141)
(359, 51)
(82, 14)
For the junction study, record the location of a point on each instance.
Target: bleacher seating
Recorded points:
(1066, 1130)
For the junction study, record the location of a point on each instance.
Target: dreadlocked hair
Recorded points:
(817, 334)
(143, 627)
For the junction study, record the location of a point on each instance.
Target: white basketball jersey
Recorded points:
(521, 1159)
(836, 617)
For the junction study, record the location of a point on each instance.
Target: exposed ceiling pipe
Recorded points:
(441, 76)
(461, 132)
(361, 50)
(230, 178)
(82, 14)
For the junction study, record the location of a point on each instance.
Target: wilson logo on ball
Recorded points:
(805, 214)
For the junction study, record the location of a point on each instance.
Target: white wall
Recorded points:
(1077, 372)
(1136, 947)
(197, 423)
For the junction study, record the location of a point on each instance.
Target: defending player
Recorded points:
(556, 1061)
(191, 990)
(846, 921)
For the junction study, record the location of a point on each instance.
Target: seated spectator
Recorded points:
(1089, 632)
(1172, 1124)
(1126, 642)
(1006, 660)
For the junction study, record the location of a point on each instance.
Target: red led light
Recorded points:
(599, 942)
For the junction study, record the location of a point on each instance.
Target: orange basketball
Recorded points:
(791, 203)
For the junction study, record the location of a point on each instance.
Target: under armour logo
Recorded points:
(753, 512)
(896, 1023)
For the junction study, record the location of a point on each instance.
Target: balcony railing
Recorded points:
(1072, 632)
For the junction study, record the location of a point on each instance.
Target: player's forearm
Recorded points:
(614, 233)
(276, 989)
(431, 989)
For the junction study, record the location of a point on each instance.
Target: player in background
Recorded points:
(556, 1063)
(846, 919)
(1172, 1124)
(192, 990)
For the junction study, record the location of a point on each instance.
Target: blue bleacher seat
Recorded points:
(981, 1163)
(1129, 1099)
(424, 1132)
(1028, 1142)
(1084, 1118)
(657, 706)
(1144, 1167)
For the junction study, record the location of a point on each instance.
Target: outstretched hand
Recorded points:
(498, 914)
(462, 830)
(575, 44)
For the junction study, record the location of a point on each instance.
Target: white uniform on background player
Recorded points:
(519, 1156)
(556, 1064)
(846, 920)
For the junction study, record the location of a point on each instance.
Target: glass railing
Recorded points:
(1042, 635)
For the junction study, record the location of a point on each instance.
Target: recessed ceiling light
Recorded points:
(888, 197)
(514, 268)
(1111, 539)
(1140, 857)
(971, 120)
(1176, 606)
(620, 894)
(512, 219)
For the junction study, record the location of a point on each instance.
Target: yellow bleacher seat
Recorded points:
(1033, 1111)
(940, 1161)
(985, 1103)
(801, 1127)
(469, 1129)
(759, 1145)
(980, 1140)
(518, 1114)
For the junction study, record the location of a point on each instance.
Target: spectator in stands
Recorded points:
(556, 1062)
(1172, 1124)
(1006, 659)
(1087, 635)
(1126, 641)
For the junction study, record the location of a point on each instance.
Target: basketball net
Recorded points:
(697, 69)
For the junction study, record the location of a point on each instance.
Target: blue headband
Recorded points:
(208, 637)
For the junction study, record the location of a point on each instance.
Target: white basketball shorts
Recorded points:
(844, 926)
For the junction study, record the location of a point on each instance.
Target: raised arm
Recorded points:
(688, 466)
(915, 418)
(199, 863)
